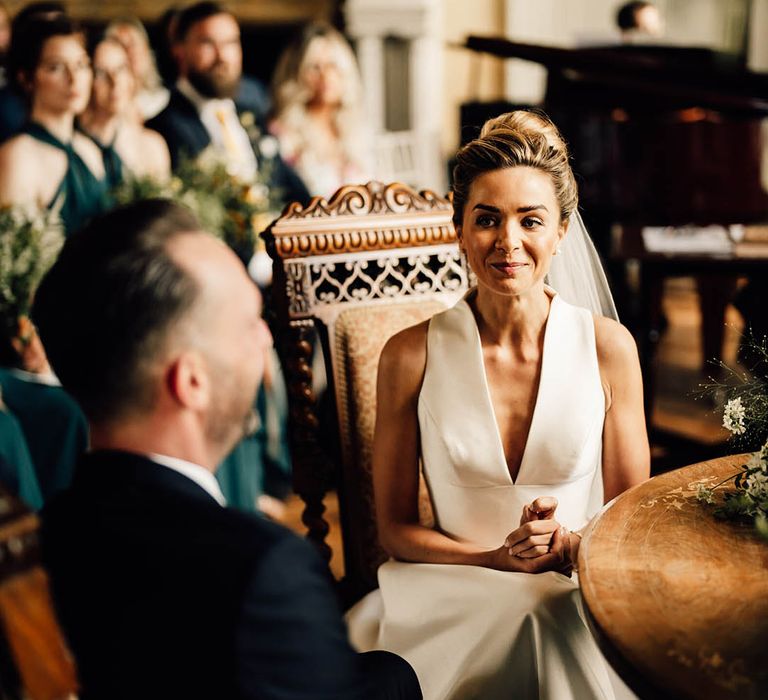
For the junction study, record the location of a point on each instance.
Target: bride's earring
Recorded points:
(558, 250)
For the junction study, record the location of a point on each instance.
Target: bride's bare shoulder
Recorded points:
(616, 348)
(404, 356)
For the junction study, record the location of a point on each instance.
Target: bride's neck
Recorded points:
(510, 320)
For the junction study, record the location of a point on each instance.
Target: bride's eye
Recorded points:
(485, 221)
(532, 222)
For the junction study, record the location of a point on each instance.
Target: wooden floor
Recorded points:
(686, 423)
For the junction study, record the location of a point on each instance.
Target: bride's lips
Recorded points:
(509, 268)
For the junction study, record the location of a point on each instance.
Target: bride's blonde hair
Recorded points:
(520, 138)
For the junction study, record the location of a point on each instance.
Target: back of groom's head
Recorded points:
(105, 308)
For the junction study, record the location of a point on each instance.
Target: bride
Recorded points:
(526, 412)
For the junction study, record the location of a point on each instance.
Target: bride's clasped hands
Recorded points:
(540, 543)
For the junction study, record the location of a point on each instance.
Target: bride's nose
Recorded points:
(508, 238)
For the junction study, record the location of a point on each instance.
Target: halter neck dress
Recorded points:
(113, 163)
(80, 195)
(474, 632)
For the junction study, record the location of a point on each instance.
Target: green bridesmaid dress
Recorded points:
(16, 470)
(53, 424)
(80, 195)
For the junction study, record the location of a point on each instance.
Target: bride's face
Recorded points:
(511, 229)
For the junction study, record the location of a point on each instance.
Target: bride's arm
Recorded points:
(626, 455)
(396, 471)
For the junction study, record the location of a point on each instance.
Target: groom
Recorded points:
(162, 591)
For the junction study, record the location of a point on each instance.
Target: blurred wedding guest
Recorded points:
(164, 39)
(126, 145)
(639, 21)
(16, 471)
(49, 164)
(52, 423)
(162, 590)
(5, 39)
(318, 111)
(151, 94)
(256, 475)
(13, 110)
(206, 112)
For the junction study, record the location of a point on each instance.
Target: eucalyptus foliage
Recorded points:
(30, 242)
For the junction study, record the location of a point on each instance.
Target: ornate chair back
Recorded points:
(35, 654)
(354, 271)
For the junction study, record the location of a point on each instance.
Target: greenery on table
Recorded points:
(745, 416)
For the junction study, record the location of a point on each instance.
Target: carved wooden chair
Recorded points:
(353, 271)
(35, 662)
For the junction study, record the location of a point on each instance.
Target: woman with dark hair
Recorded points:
(523, 405)
(109, 119)
(49, 164)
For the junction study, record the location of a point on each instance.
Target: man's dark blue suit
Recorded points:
(163, 593)
(184, 132)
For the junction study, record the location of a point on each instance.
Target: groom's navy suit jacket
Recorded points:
(180, 125)
(163, 593)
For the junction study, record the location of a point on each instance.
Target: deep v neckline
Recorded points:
(491, 412)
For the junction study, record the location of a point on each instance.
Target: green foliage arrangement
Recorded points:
(745, 416)
(30, 242)
(226, 206)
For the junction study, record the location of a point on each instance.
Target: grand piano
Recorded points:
(660, 136)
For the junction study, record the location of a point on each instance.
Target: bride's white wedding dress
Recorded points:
(473, 632)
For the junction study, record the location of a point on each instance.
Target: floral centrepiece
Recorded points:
(30, 241)
(745, 416)
(224, 204)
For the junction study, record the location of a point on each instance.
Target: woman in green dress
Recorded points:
(16, 471)
(49, 164)
(53, 426)
(127, 146)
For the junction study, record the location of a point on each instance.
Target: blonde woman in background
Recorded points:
(109, 118)
(318, 116)
(151, 96)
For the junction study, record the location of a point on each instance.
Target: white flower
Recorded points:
(762, 456)
(268, 146)
(757, 486)
(704, 494)
(733, 417)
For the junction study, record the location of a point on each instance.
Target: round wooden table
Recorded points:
(677, 599)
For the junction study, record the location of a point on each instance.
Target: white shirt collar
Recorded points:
(48, 379)
(200, 475)
(214, 113)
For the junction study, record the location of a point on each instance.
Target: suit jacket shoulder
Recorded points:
(159, 587)
(180, 125)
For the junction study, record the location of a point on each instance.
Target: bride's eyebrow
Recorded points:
(520, 210)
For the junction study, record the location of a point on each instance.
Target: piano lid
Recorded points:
(693, 76)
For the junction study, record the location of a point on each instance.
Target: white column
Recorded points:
(420, 23)
(757, 59)
(370, 56)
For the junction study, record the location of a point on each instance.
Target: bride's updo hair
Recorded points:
(520, 138)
